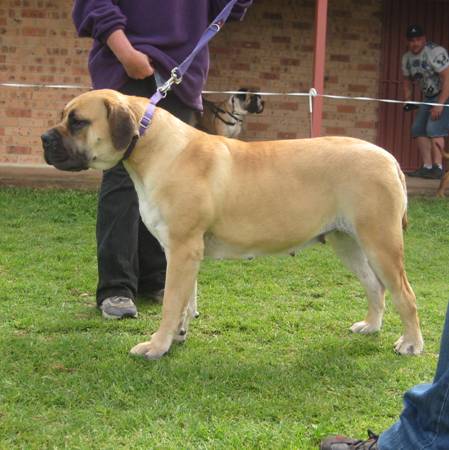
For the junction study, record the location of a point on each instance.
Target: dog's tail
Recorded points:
(404, 190)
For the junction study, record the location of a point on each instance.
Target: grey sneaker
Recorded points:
(345, 443)
(118, 308)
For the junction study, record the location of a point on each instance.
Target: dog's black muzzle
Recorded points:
(59, 155)
(256, 104)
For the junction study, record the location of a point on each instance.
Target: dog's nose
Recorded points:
(46, 139)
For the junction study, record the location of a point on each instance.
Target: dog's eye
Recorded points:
(77, 124)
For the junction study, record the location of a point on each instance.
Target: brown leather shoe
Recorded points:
(346, 443)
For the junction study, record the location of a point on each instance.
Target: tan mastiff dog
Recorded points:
(211, 196)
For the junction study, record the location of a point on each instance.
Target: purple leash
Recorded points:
(178, 72)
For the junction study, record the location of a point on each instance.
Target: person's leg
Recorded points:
(437, 147)
(419, 132)
(118, 228)
(424, 422)
(438, 130)
(425, 151)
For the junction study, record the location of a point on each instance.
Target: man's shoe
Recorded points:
(345, 443)
(435, 173)
(422, 172)
(118, 308)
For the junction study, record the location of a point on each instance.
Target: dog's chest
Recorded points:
(150, 213)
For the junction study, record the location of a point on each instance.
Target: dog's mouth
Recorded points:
(56, 154)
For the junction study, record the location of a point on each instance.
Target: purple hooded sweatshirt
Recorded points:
(165, 30)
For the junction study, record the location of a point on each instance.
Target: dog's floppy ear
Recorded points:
(121, 123)
(243, 94)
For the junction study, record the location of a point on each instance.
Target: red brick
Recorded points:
(366, 124)
(357, 88)
(340, 58)
(257, 126)
(286, 135)
(18, 112)
(346, 109)
(335, 131)
(289, 61)
(289, 106)
(281, 39)
(34, 31)
(269, 76)
(368, 67)
(240, 66)
(18, 150)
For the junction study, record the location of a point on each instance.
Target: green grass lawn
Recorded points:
(270, 363)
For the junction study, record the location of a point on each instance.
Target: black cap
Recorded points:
(414, 31)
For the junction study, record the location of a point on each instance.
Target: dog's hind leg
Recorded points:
(384, 248)
(353, 257)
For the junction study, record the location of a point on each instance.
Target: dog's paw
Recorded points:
(151, 349)
(181, 336)
(408, 346)
(364, 327)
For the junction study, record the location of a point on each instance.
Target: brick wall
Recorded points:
(272, 50)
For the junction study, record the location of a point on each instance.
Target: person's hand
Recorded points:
(137, 65)
(436, 112)
(410, 107)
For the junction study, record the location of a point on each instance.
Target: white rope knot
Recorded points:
(312, 93)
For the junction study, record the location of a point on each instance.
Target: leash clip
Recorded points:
(175, 78)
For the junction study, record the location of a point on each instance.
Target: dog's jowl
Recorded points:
(204, 195)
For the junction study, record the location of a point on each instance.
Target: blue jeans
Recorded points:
(424, 422)
(423, 125)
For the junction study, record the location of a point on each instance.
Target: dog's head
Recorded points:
(251, 103)
(96, 129)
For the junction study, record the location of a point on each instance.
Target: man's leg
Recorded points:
(419, 132)
(437, 147)
(424, 422)
(117, 228)
(118, 233)
(425, 150)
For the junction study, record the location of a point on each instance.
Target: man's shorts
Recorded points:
(423, 125)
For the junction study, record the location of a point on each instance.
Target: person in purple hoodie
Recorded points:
(136, 44)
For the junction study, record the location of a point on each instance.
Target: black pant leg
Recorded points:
(117, 231)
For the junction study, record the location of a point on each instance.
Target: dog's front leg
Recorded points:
(189, 313)
(182, 268)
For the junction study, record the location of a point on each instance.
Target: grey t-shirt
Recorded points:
(425, 67)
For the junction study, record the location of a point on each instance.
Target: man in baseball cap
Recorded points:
(414, 31)
(427, 65)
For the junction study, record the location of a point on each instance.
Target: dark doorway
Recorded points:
(394, 123)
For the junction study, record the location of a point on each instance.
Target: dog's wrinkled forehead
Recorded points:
(87, 109)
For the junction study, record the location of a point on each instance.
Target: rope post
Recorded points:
(318, 64)
(312, 94)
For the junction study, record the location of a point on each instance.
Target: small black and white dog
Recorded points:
(226, 118)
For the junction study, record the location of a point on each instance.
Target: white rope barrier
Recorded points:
(312, 93)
